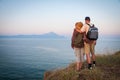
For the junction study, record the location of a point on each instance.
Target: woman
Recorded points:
(78, 44)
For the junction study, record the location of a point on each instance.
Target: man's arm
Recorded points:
(79, 31)
(82, 30)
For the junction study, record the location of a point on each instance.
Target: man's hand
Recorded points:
(79, 31)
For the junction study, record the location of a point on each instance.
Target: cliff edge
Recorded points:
(107, 69)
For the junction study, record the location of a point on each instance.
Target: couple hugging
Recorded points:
(83, 42)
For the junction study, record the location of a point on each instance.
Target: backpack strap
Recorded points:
(90, 25)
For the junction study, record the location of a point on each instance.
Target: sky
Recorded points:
(59, 16)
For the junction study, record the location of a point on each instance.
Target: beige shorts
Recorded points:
(89, 48)
(79, 53)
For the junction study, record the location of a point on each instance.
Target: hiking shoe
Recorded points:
(90, 68)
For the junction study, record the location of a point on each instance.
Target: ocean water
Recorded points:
(29, 58)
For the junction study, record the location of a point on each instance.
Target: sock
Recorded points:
(94, 62)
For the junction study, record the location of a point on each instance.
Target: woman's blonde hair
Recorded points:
(78, 25)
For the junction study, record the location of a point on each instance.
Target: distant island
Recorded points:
(46, 35)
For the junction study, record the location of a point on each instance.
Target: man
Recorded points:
(89, 45)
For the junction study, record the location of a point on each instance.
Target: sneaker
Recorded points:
(90, 68)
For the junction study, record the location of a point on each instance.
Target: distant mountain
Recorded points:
(46, 35)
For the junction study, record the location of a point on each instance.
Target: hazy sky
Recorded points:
(42, 16)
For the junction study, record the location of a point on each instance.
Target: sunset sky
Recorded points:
(59, 16)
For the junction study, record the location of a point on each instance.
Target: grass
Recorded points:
(107, 69)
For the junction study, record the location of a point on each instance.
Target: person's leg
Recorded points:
(81, 57)
(88, 58)
(77, 51)
(87, 52)
(92, 50)
(78, 66)
(89, 61)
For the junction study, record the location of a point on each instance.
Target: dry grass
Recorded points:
(107, 69)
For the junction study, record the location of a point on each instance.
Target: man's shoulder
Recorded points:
(85, 25)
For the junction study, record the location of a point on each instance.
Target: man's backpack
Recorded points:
(92, 33)
(78, 40)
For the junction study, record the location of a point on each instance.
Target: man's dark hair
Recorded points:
(87, 18)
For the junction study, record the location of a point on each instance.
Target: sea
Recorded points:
(29, 58)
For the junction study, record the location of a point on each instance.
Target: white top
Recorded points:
(85, 28)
